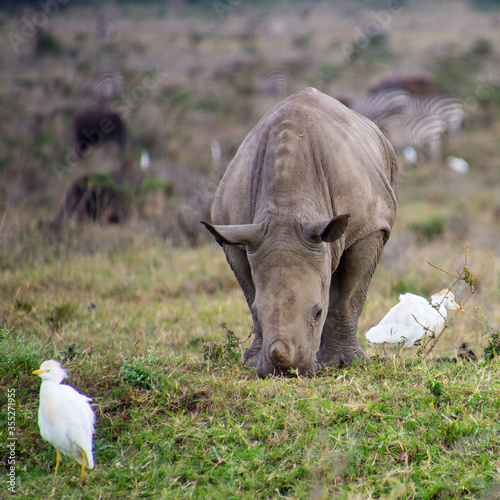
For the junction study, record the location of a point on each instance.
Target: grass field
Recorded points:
(149, 320)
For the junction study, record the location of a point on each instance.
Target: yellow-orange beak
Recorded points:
(39, 372)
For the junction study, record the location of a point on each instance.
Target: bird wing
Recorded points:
(80, 428)
(412, 298)
(407, 319)
(401, 313)
(395, 333)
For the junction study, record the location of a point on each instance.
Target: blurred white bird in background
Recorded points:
(457, 164)
(410, 156)
(412, 317)
(145, 161)
(65, 417)
(216, 154)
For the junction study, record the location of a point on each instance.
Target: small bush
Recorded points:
(47, 44)
(69, 353)
(24, 306)
(482, 48)
(20, 353)
(492, 350)
(330, 71)
(61, 314)
(429, 229)
(142, 372)
(454, 73)
(374, 47)
(302, 41)
(225, 352)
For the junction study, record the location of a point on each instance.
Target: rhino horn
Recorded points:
(328, 231)
(239, 234)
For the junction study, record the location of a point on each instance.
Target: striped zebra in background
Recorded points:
(276, 83)
(379, 105)
(415, 130)
(412, 121)
(106, 87)
(449, 108)
(105, 29)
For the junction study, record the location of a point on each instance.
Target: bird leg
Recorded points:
(84, 457)
(58, 461)
(400, 349)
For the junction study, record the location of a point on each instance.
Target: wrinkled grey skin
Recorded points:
(302, 213)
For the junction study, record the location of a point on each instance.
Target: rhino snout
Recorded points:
(280, 354)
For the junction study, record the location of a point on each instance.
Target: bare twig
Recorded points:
(464, 275)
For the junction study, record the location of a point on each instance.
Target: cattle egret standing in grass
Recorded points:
(65, 417)
(411, 318)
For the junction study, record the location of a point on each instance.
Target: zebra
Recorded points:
(105, 29)
(106, 87)
(276, 83)
(416, 130)
(411, 121)
(450, 108)
(379, 105)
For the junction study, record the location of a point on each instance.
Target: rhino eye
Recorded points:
(317, 313)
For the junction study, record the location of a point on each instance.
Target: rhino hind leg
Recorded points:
(240, 266)
(349, 285)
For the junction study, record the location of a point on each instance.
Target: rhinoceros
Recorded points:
(303, 212)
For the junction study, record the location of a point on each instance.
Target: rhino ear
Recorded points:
(241, 234)
(328, 231)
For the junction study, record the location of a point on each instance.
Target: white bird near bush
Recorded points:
(65, 417)
(412, 317)
(457, 164)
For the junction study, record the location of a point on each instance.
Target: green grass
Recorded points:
(178, 415)
(214, 430)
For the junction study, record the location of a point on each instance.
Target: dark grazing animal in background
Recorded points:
(94, 127)
(303, 213)
(413, 84)
(101, 197)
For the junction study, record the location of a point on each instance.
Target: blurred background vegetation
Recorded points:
(193, 83)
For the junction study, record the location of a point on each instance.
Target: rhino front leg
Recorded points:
(238, 262)
(348, 289)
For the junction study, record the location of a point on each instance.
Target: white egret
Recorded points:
(457, 164)
(65, 417)
(145, 161)
(216, 154)
(410, 156)
(410, 319)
